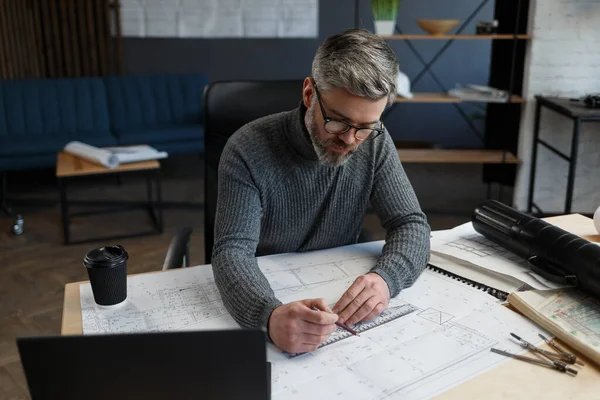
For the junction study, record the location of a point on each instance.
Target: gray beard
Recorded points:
(325, 157)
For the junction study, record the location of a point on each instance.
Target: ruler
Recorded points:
(388, 315)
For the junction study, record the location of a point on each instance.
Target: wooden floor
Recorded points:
(35, 266)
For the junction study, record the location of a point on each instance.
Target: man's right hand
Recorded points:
(297, 328)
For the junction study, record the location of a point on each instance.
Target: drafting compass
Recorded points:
(559, 361)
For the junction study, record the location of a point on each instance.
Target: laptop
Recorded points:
(219, 364)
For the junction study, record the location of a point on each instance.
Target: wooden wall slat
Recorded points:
(47, 39)
(56, 37)
(29, 34)
(33, 28)
(42, 51)
(20, 28)
(13, 40)
(101, 34)
(4, 51)
(117, 39)
(23, 39)
(84, 48)
(72, 36)
(91, 33)
(66, 43)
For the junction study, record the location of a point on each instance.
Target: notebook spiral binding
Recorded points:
(499, 294)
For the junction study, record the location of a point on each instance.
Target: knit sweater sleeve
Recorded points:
(406, 250)
(246, 292)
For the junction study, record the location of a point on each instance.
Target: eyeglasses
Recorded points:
(337, 127)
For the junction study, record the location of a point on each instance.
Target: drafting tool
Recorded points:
(341, 325)
(558, 365)
(386, 316)
(572, 359)
(562, 356)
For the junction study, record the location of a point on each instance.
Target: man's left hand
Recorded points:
(368, 296)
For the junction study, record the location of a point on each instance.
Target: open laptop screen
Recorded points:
(228, 364)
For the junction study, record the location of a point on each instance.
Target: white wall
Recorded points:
(563, 60)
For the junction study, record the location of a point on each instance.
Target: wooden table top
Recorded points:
(511, 380)
(70, 165)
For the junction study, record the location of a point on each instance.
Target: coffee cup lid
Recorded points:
(105, 257)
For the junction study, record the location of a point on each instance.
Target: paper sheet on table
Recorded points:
(93, 154)
(112, 157)
(444, 339)
(465, 269)
(465, 243)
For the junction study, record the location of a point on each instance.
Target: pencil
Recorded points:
(346, 327)
(341, 324)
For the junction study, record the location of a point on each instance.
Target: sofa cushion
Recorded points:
(154, 101)
(161, 135)
(43, 110)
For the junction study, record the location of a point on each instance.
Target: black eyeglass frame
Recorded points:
(375, 132)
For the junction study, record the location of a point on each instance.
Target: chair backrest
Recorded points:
(229, 105)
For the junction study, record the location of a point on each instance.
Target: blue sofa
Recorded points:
(39, 117)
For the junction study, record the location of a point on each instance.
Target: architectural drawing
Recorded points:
(480, 246)
(436, 316)
(220, 18)
(433, 335)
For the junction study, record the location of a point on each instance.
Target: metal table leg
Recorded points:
(64, 206)
(536, 135)
(159, 205)
(572, 165)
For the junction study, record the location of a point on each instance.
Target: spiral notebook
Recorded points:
(495, 284)
(497, 293)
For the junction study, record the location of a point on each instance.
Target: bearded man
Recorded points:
(303, 180)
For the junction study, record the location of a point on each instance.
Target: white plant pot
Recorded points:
(385, 27)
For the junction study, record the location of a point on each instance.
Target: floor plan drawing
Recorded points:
(435, 316)
(435, 334)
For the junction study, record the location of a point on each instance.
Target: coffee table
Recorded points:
(70, 167)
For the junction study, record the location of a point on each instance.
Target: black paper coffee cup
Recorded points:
(107, 270)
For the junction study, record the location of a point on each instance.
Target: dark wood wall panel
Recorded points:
(59, 38)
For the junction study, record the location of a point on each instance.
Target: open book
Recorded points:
(571, 315)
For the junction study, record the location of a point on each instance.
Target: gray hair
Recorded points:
(358, 61)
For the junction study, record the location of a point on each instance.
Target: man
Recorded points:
(302, 180)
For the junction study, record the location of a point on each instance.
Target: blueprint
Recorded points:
(465, 243)
(433, 336)
(220, 18)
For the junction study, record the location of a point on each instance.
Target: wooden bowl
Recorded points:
(437, 27)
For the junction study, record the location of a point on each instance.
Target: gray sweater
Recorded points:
(275, 197)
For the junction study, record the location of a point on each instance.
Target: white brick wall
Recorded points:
(564, 60)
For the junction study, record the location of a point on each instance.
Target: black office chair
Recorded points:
(178, 253)
(228, 105)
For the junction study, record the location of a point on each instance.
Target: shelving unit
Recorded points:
(455, 37)
(456, 156)
(468, 156)
(445, 98)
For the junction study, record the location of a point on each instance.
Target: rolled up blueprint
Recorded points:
(93, 154)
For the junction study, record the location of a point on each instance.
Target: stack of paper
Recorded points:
(475, 251)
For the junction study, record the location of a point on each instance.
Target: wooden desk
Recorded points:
(511, 380)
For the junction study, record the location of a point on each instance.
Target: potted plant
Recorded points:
(385, 13)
